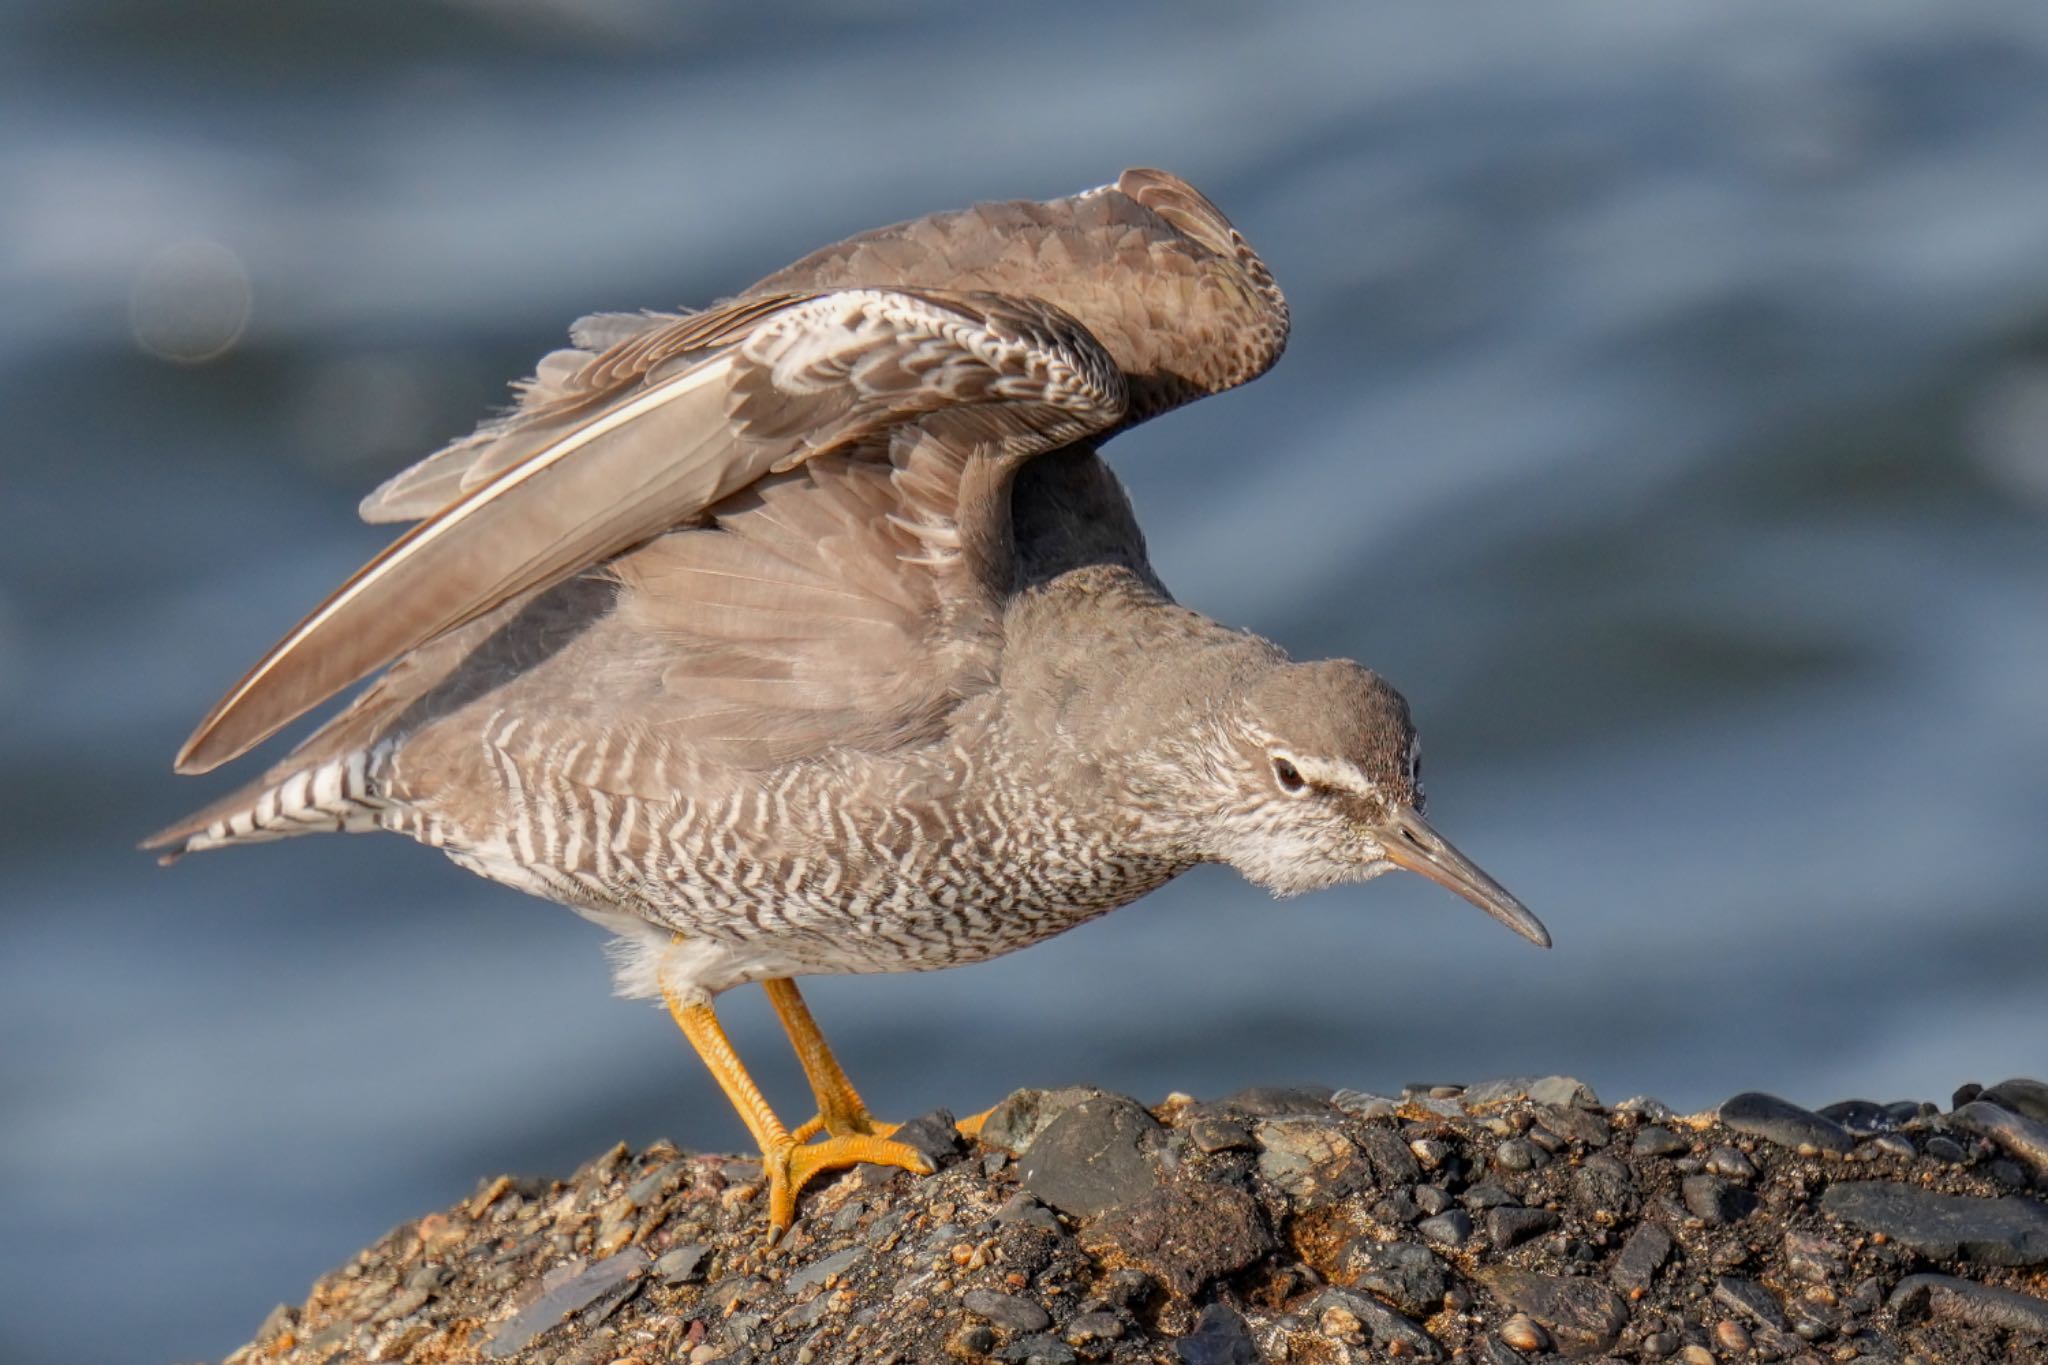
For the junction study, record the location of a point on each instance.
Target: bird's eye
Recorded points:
(1289, 776)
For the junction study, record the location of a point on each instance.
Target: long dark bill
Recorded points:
(1411, 844)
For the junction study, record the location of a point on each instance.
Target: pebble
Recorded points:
(1450, 1229)
(1980, 1305)
(1863, 1118)
(1580, 1125)
(1366, 1106)
(1583, 1316)
(1431, 1199)
(1011, 1312)
(1731, 1163)
(1658, 1345)
(681, 1265)
(1641, 1256)
(1309, 1157)
(1606, 1185)
(1037, 1350)
(1405, 1274)
(1750, 1299)
(1510, 1227)
(566, 1290)
(1731, 1336)
(823, 1269)
(1391, 1160)
(1186, 1235)
(1430, 1153)
(1516, 1155)
(1659, 1141)
(1486, 1194)
(1714, 1200)
(1219, 1135)
(1944, 1148)
(933, 1137)
(1814, 1258)
(1524, 1334)
(1784, 1123)
(2019, 1135)
(1396, 1210)
(1092, 1156)
(1093, 1327)
(1887, 1145)
(1279, 1101)
(1016, 1123)
(1385, 1326)
(2007, 1231)
(2028, 1099)
(1220, 1337)
(1566, 1092)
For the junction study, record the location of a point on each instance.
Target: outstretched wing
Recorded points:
(659, 436)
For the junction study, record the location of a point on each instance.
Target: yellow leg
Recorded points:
(841, 1111)
(789, 1164)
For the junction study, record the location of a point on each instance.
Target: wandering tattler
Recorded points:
(809, 634)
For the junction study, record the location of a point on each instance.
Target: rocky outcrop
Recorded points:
(1502, 1223)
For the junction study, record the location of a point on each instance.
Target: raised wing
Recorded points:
(663, 433)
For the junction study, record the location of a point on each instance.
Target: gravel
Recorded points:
(1279, 1223)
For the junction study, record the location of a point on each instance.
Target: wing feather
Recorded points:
(587, 475)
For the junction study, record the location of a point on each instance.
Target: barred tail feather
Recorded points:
(336, 796)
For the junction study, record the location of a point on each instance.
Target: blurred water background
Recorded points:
(1667, 414)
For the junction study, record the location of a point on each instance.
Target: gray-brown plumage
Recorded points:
(810, 634)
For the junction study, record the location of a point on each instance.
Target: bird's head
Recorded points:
(1318, 780)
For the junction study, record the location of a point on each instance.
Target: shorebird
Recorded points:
(809, 634)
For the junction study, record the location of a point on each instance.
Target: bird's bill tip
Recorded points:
(1410, 844)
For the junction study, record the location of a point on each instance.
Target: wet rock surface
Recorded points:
(1509, 1222)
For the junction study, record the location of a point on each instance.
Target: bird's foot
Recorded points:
(850, 1125)
(792, 1164)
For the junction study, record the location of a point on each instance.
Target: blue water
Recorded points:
(1667, 413)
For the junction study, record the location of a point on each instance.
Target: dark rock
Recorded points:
(2023, 1137)
(1750, 1299)
(1365, 1105)
(1784, 1123)
(1510, 1227)
(2008, 1231)
(681, 1265)
(1037, 1350)
(823, 1269)
(1641, 1257)
(1861, 1117)
(1187, 1234)
(2028, 1099)
(1886, 1145)
(1815, 1258)
(1398, 1209)
(1711, 1198)
(1956, 1300)
(1011, 1312)
(1583, 1317)
(1220, 1338)
(1219, 1135)
(1491, 1350)
(1278, 1101)
(1408, 1276)
(1431, 1199)
(1731, 1163)
(1516, 1155)
(1605, 1184)
(565, 1291)
(1385, 1326)
(1565, 1092)
(1016, 1123)
(1487, 1096)
(1579, 1125)
(1092, 1327)
(1659, 1141)
(1967, 1091)
(1448, 1229)
(1309, 1158)
(1092, 1156)
(933, 1137)
(1022, 1208)
(1393, 1163)
(1944, 1148)
(1487, 1194)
